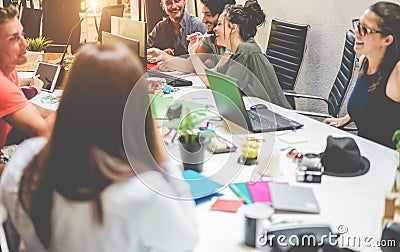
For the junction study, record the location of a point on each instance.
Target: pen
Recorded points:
(205, 35)
(209, 35)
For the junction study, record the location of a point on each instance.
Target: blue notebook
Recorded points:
(201, 187)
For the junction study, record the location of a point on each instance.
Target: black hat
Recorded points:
(342, 158)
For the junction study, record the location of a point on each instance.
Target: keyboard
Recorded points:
(258, 121)
(171, 80)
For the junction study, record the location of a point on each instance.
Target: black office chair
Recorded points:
(285, 51)
(391, 237)
(340, 86)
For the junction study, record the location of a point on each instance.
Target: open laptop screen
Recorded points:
(228, 99)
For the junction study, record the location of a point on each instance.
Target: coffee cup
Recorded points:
(257, 220)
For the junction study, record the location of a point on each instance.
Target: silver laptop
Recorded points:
(259, 118)
(293, 198)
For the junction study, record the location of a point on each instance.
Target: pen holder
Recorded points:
(156, 85)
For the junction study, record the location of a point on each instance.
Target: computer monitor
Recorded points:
(31, 20)
(110, 39)
(106, 14)
(132, 29)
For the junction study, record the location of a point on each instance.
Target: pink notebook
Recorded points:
(259, 191)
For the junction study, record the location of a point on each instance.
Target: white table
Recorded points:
(356, 202)
(44, 99)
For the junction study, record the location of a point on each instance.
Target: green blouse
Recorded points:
(250, 56)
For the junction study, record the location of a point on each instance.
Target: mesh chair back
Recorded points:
(344, 76)
(285, 50)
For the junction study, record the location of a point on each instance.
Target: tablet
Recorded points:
(49, 74)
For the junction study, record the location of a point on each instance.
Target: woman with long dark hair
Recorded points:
(102, 181)
(374, 105)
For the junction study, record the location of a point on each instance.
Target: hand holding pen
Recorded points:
(192, 37)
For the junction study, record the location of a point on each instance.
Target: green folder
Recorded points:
(241, 190)
(160, 105)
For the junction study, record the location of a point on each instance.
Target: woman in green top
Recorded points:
(235, 30)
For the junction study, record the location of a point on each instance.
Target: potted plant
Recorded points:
(186, 120)
(38, 44)
(396, 138)
(35, 52)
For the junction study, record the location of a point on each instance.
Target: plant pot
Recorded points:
(192, 154)
(32, 59)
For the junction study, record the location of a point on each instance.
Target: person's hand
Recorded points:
(336, 122)
(155, 55)
(37, 83)
(162, 66)
(194, 44)
(192, 37)
(169, 51)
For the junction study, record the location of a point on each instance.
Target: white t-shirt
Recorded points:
(136, 217)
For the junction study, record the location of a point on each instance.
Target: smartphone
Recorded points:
(221, 145)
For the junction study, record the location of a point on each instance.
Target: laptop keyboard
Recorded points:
(171, 80)
(258, 121)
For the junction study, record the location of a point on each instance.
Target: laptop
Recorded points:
(259, 118)
(293, 198)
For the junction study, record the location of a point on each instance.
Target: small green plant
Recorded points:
(187, 121)
(38, 44)
(189, 125)
(396, 138)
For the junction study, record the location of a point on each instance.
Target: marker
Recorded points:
(333, 123)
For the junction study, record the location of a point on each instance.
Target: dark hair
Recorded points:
(8, 13)
(248, 17)
(389, 24)
(85, 152)
(217, 6)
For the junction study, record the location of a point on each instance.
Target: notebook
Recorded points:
(293, 198)
(241, 190)
(230, 105)
(227, 205)
(202, 188)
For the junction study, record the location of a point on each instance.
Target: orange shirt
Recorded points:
(12, 99)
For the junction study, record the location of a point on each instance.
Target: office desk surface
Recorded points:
(353, 205)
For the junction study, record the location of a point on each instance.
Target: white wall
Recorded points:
(329, 21)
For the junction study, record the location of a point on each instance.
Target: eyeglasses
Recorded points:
(362, 29)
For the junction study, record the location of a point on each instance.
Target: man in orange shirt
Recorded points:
(15, 110)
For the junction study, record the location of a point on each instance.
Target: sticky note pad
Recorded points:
(293, 138)
(227, 205)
